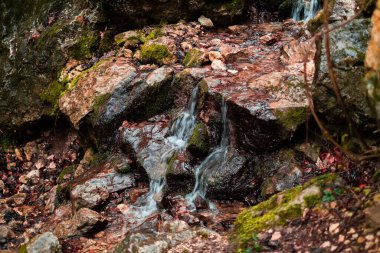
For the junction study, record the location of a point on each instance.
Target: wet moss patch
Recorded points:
(154, 53)
(193, 58)
(279, 209)
(291, 118)
(85, 47)
(199, 141)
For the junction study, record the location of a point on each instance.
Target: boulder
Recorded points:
(44, 243)
(33, 51)
(93, 86)
(348, 46)
(83, 221)
(95, 190)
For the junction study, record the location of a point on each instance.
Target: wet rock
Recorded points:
(94, 86)
(206, 22)
(269, 39)
(83, 221)
(347, 51)
(236, 172)
(279, 171)
(232, 54)
(199, 143)
(173, 233)
(44, 243)
(138, 100)
(97, 189)
(218, 65)
(184, 82)
(6, 234)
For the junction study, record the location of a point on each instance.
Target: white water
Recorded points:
(214, 160)
(305, 9)
(179, 132)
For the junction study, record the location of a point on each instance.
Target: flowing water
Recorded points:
(305, 9)
(214, 160)
(179, 133)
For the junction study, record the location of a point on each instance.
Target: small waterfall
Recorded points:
(214, 160)
(305, 9)
(180, 131)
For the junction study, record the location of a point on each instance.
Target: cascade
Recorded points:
(214, 160)
(305, 9)
(179, 134)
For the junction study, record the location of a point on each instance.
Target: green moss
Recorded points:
(193, 58)
(289, 213)
(202, 93)
(312, 200)
(49, 33)
(99, 103)
(67, 171)
(85, 47)
(7, 141)
(291, 118)
(315, 22)
(199, 141)
(23, 249)
(279, 209)
(154, 53)
(156, 33)
(52, 94)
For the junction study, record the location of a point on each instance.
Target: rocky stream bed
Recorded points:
(189, 136)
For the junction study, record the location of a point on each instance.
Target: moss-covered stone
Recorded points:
(199, 143)
(99, 103)
(154, 53)
(291, 118)
(85, 47)
(23, 249)
(66, 171)
(193, 58)
(279, 209)
(202, 94)
(52, 94)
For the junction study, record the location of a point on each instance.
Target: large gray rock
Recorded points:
(348, 46)
(44, 243)
(96, 190)
(83, 221)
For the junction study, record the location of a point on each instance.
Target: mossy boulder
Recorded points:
(279, 209)
(34, 50)
(194, 58)
(199, 143)
(155, 53)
